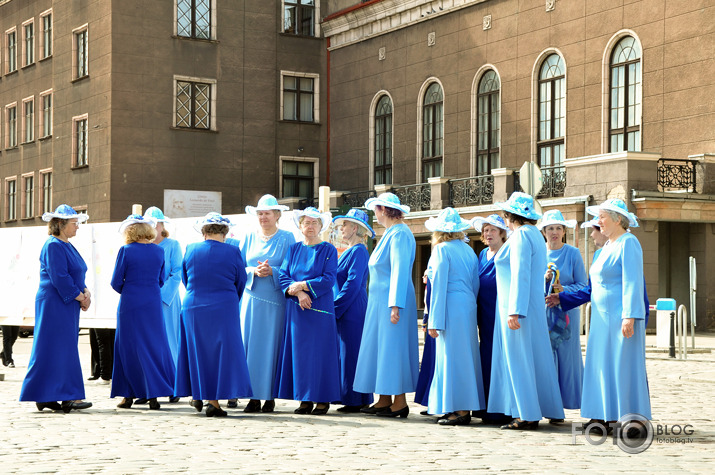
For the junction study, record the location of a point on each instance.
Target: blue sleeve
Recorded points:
(289, 241)
(240, 281)
(439, 263)
(428, 296)
(647, 302)
(120, 268)
(401, 257)
(575, 298)
(173, 280)
(58, 272)
(632, 281)
(323, 284)
(520, 286)
(184, 276)
(285, 278)
(351, 287)
(578, 271)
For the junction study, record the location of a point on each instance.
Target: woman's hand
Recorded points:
(263, 269)
(627, 327)
(513, 322)
(433, 333)
(304, 300)
(553, 300)
(557, 287)
(87, 293)
(85, 304)
(295, 287)
(395, 315)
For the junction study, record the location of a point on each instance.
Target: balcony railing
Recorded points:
(476, 190)
(417, 197)
(674, 174)
(356, 199)
(553, 179)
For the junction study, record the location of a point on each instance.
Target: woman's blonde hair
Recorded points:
(439, 237)
(138, 231)
(55, 226)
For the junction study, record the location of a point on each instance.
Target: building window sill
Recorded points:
(79, 167)
(190, 129)
(45, 58)
(200, 40)
(86, 76)
(46, 137)
(29, 142)
(303, 122)
(28, 65)
(9, 73)
(293, 35)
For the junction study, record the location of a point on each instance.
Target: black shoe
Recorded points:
(321, 411)
(374, 409)
(92, 378)
(197, 404)
(254, 405)
(399, 413)
(52, 405)
(126, 403)
(174, 399)
(351, 409)
(306, 407)
(232, 403)
(213, 411)
(141, 400)
(154, 404)
(556, 421)
(67, 406)
(424, 413)
(269, 406)
(518, 424)
(457, 421)
(11, 364)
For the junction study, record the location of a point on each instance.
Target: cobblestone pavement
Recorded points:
(177, 439)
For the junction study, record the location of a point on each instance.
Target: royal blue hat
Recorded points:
(521, 204)
(554, 216)
(387, 199)
(157, 214)
(212, 218)
(266, 203)
(493, 220)
(311, 212)
(447, 221)
(358, 217)
(617, 206)
(65, 212)
(135, 219)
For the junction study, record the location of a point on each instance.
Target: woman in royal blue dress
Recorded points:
(457, 387)
(54, 372)
(388, 363)
(263, 302)
(143, 365)
(424, 380)
(350, 294)
(524, 383)
(308, 368)
(212, 361)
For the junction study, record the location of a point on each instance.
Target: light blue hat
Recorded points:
(65, 212)
(135, 219)
(493, 220)
(617, 206)
(591, 224)
(521, 204)
(311, 212)
(212, 218)
(157, 214)
(358, 217)
(266, 203)
(387, 199)
(448, 221)
(554, 216)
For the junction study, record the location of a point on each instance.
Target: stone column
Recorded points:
(439, 192)
(503, 184)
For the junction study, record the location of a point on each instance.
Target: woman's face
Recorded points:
(310, 227)
(380, 214)
(347, 230)
(554, 233)
(492, 236)
(509, 223)
(268, 219)
(70, 229)
(598, 238)
(608, 225)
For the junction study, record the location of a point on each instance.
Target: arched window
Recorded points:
(433, 132)
(626, 93)
(383, 141)
(488, 123)
(552, 112)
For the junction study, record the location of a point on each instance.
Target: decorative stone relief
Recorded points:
(381, 54)
(487, 22)
(431, 39)
(550, 5)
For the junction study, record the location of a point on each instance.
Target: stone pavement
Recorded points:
(177, 439)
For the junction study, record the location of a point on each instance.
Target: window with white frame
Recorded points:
(80, 50)
(383, 141)
(433, 132)
(626, 93)
(46, 37)
(28, 120)
(488, 123)
(11, 125)
(80, 131)
(10, 198)
(28, 42)
(299, 17)
(10, 51)
(194, 103)
(300, 96)
(28, 196)
(196, 19)
(46, 115)
(46, 183)
(552, 112)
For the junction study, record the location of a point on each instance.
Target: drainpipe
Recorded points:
(327, 92)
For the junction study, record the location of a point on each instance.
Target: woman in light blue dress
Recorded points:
(572, 277)
(457, 387)
(388, 361)
(524, 384)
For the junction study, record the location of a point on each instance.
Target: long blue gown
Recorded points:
(308, 368)
(170, 296)
(569, 362)
(54, 372)
(143, 365)
(614, 381)
(212, 362)
(457, 382)
(263, 309)
(524, 383)
(424, 380)
(388, 363)
(350, 294)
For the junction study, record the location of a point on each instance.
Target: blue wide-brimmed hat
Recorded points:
(554, 216)
(157, 214)
(447, 221)
(616, 205)
(493, 220)
(591, 224)
(212, 218)
(266, 203)
(65, 212)
(387, 199)
(521, 204)
(358, 217)
(311, 212)
(136, 219)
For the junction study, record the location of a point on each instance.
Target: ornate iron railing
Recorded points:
(554, 180)
(674, 174)
(474, 190)
(307, 202)
(417, 197)
(356, 199)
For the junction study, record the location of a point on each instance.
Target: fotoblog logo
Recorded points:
(632, 433)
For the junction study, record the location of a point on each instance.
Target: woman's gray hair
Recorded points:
(618, 218)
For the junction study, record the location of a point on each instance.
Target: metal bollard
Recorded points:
(671, 351)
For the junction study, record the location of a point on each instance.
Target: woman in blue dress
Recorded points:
(572, 277)
(212, 361)
(54, 372)
(457, 387)
(350, 294)
(263, 302)
(143, 365)
(494, 234)
(388, 360)
(524, 383)
(308, 368)
(615, 382)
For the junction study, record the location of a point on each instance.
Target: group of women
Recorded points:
(267, 317)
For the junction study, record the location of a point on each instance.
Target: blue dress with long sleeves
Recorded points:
(569, 362)
(350, 294)
(457, 382)
(143, 364)
(170, 296)
(308, 368)
(54, 372)
(388, 363)
(263, 309)
(212, 362)
(614, 381)
(424, 380)
(524, 383)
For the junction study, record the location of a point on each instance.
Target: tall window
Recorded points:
(298, 179)
(433, 132)
(11, 51)
(11, 126)
(298, 98)
(626, 93)
(383, 141)
(46, 39)
(193, 19)
(81, 53)
(488, 123)
(46, 182)
(10, 199)
(28, 32)
(28, 124)
(193, 105)
(46, 117)
(28, 196)
(299, 17)
(552, 112)
(80, 141)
